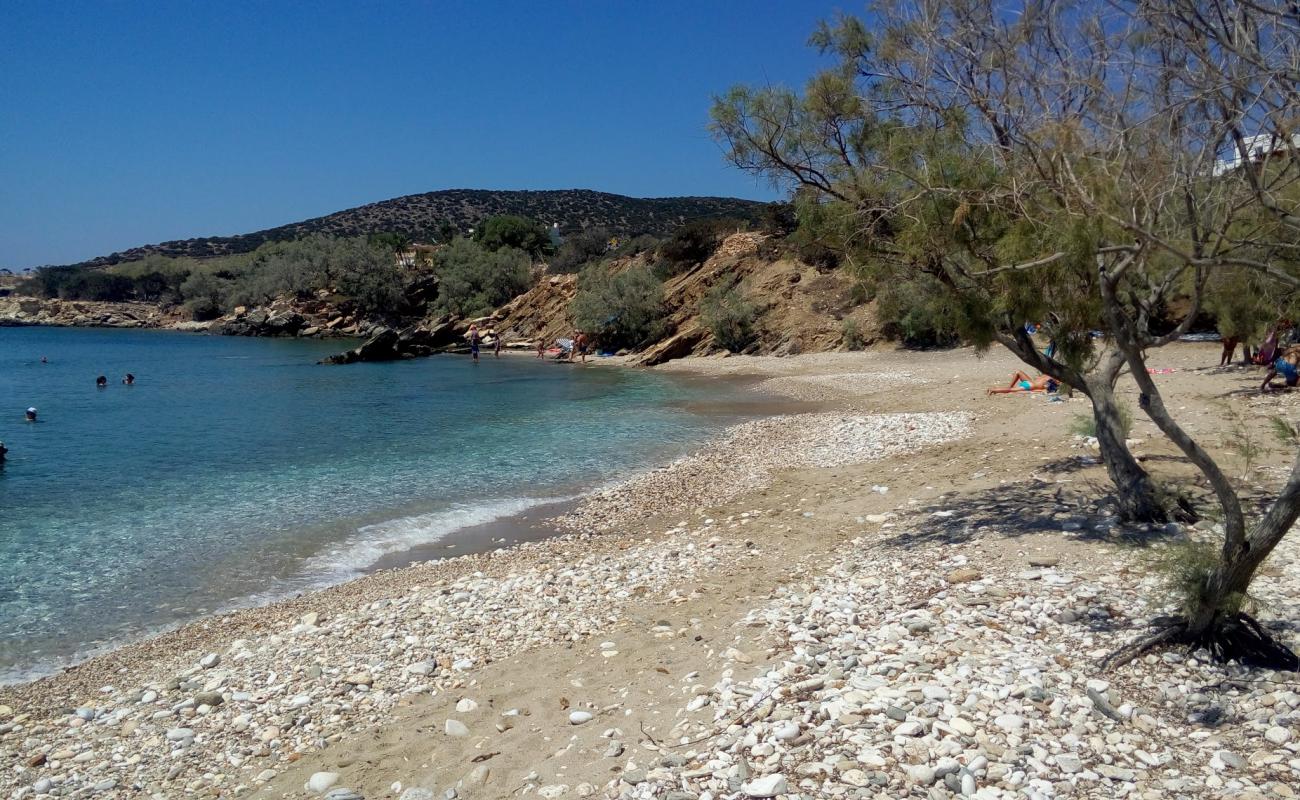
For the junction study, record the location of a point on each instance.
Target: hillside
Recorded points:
(420, 215)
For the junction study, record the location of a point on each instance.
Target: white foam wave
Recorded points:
(351, 556)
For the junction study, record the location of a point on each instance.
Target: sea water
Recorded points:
(236, 470)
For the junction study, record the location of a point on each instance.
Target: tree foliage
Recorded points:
(517, 233)
(473, 280)
(619, 308)
(730, 316)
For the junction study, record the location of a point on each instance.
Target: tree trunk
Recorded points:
(1135, 492)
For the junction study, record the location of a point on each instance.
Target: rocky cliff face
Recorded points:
(800, 308)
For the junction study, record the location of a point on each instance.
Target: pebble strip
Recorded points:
(746, 457)
(837, 386)
(914, 673)
(227, 720)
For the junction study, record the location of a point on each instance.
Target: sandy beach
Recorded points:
(904, 591)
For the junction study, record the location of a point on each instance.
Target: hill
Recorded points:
(419, 216)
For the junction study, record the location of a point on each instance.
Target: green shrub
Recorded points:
(727, 312)
(693, 243)
(205, 295)
(579, 249)
(853, 338)
(914, 312)
(624, 309)
(472, 281)
(518, 233)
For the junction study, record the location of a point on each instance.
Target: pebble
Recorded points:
(454, 727)
(766, 786)
(321, 782)
(579, 717)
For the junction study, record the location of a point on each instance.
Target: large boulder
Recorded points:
(381, 346)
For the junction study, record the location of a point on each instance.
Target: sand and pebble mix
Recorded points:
(749, 453)
(917, 673)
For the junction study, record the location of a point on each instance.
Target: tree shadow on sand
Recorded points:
(1025, 508)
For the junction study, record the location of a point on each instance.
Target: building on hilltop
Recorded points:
(1259, 149)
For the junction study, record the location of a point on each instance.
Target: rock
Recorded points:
(106, 785)
(455, 727)
(961, 726)
(343, 794)
(465, 705)
(766, 786)
(964, 575)
(1009, 722)
(209, 661)
(361, 678)
(416, 793)
(321, 782)
(382, 346)
(212, 699)
(1277, 735)
(478, 776)
(579, 718)
(920, 774)
(909, 728)
(1044, 561)
(553, 791)
(732, 654)
(633, 777)
(180, 734)
(1069, 763)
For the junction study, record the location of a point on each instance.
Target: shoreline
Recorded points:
(908, 571)
(531, 525)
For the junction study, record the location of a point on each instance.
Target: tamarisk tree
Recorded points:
(1056, 162)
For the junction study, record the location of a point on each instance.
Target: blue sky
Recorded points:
(127, 123)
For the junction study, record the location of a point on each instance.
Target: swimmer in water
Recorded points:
(101, 381)
(31, 414)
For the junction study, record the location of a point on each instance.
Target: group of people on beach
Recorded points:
(577, 347)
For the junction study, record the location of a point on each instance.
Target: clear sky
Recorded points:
(128, 123)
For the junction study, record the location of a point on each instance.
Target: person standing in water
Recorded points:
(474, 339)
(3, 451)
(580, 345)
(129, 379)
(496, 344)
(101, 381)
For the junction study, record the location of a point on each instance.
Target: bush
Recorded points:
(693, 243)
(624, 309)
(472, 280)
(369, 276)
(728, 314)
(914, 312)
(205, 295)
(853, 338)
(580, 249)
(518, 233)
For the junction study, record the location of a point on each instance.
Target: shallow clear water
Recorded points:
(238, 468)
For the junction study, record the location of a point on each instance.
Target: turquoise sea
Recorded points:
(238, 470)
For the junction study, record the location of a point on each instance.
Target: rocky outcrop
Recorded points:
(18, 310)
(265, 322)
(386, 344)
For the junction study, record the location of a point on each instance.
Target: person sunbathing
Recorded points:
(1288, 365)
(1020, 382)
